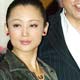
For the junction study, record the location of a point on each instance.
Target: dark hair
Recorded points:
(35, 3)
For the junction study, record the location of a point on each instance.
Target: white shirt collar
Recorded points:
(72, 38)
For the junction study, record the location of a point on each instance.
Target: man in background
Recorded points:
(61, 47)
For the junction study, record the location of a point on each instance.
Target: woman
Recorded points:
(25, 24)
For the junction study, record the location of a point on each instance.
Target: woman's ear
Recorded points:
(6, 29)
(45, 30)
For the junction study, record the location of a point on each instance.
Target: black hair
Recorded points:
(37, 3)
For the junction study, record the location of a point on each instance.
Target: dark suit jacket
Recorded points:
(54, 51)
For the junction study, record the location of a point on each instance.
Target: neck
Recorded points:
(28, 58)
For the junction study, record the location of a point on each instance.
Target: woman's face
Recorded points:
(26, 28)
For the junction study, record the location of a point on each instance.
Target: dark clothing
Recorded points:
(11, 68)
(56, 53)
(1, 57)
(52, 8)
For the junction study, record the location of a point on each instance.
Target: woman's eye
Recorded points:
(16, 25)
(33, 25)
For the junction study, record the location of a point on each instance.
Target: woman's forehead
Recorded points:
(26, 12)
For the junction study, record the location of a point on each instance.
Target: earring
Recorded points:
(44, 32)
(7, 33)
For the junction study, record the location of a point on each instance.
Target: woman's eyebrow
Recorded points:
(11, 20)
(31, 20)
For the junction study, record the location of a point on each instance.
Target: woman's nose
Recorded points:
(25, 31)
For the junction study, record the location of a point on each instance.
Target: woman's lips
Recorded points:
(25, 42)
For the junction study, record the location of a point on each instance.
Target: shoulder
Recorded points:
(4, 68)
(51, 72)
(54, 24)
(4, 63)
(55, 17)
